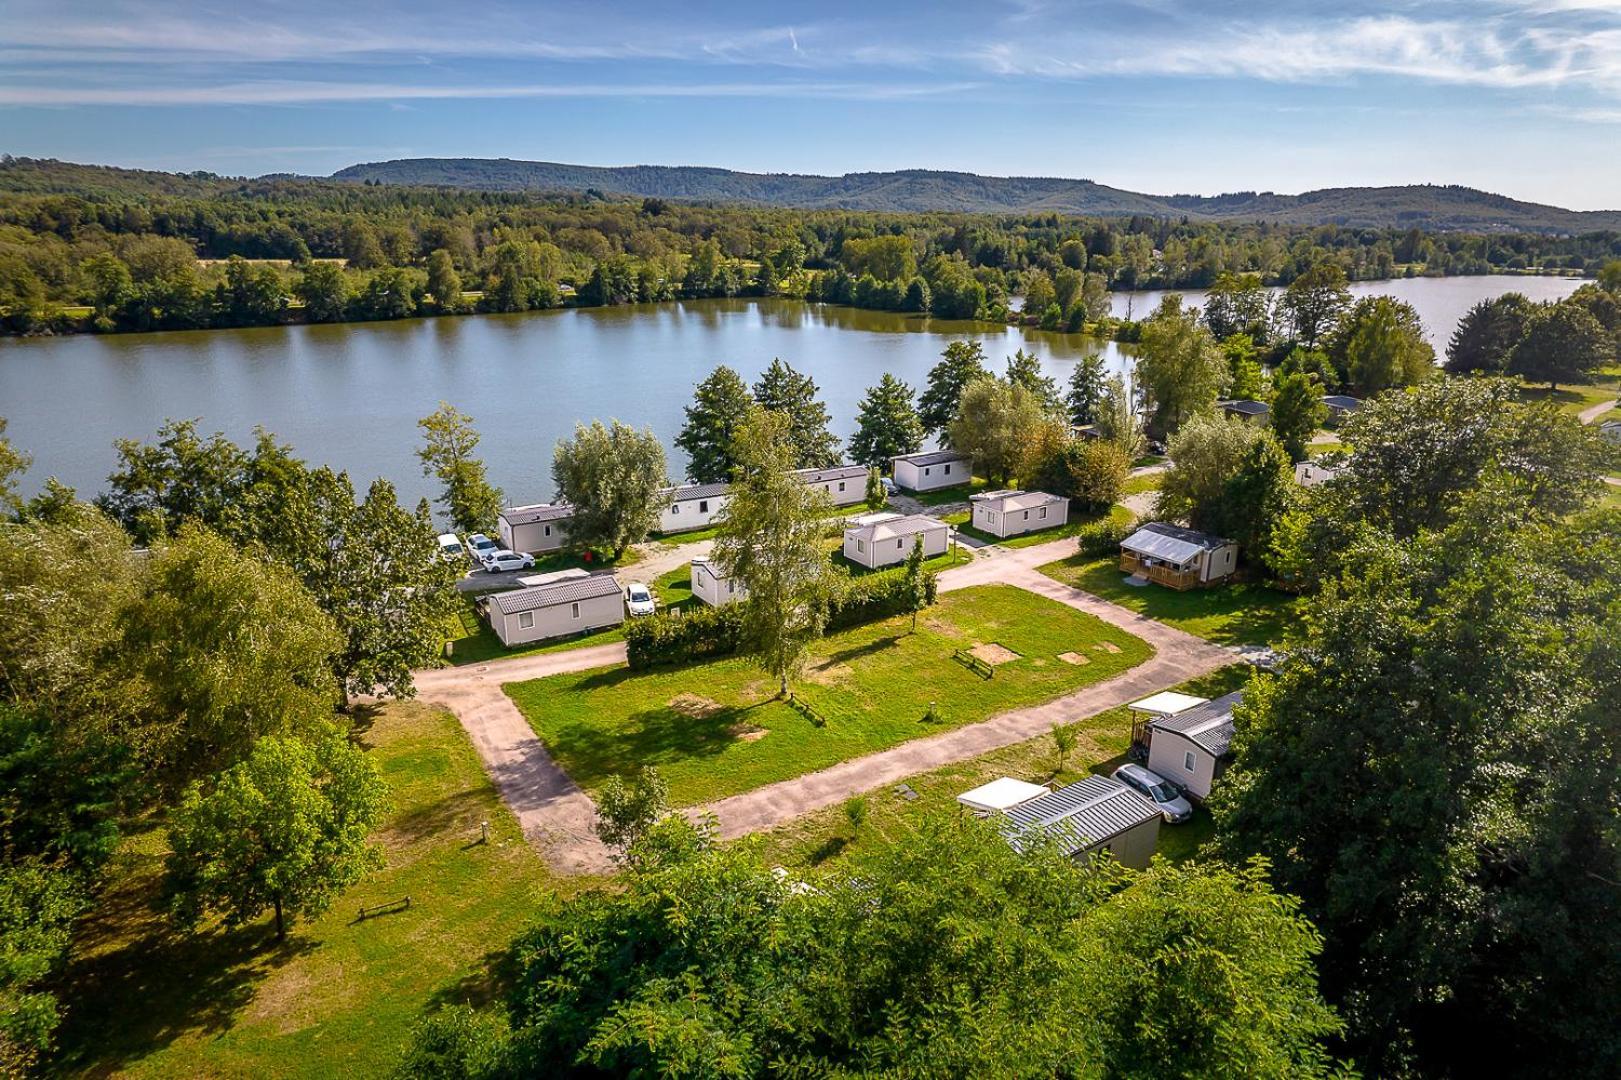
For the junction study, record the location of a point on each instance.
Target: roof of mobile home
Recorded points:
(1012, 501)
(932, 457)
(1208, 726)
(1171, 542)
(894, 526)
(837, 472)
(688, 492)
(1002, 794)
(536, 512)
(1087, 812)
(567, 591)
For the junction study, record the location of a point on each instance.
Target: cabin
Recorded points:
(1247, 410)
(932, 470)
(1178, 558)
(554, 605)
(1000, 795)
(692, 506)
(1311, 473)
(1094, 814)
(711, 585)
(1340, 406)
(845, 485)
(536, 529)
(878, 540)
(1151, 708)
(1012, 513)
(1191, 748)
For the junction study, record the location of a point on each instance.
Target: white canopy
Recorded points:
(1003, 794)
(1167, 703)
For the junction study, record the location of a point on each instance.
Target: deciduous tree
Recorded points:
(448, 455)
(1381, 344)
(1315, 301)
(1562, 343)
(1206, 454)
(1180, 368)
(613, 477)
(444, 284)
(1487, 334)
(1003, 427)
(1298, 412)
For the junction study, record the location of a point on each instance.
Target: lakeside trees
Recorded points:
(887, 424)
(720, 405)
(961, 363)
(1180, 368)
(783, 390)
(613, 477)
(449, 442)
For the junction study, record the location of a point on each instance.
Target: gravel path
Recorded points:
(1589, 415)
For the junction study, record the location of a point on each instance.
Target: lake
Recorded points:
(349, 395)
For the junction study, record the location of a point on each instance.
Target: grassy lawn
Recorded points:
(716, 729)
(957, 494)
(1611, 499)
(1100, 747)
(339, 999)
(1073, 527)
(1136, 485)
(469, 639)
(1244, 614)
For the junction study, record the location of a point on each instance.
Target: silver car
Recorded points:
(639, 599)
(1157, 790)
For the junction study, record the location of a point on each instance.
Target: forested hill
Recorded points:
(1423, 205)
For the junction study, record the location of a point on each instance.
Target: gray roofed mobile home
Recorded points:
(1208, 726)
(932, 457)
(837, 472)
(1171, 542)
(686, 492)
(529, 515)
(567, 591)
(1088, 814)
(1342, 402)
(535, 528)
(1246, 407)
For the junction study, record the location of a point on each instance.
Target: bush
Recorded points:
(1103, 537)
(873, 597)
(700, 634)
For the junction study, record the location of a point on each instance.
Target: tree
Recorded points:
(1024, 370)
(1563, 343)
(1255, 498)
(1063, 745)
(918, 591)
(613, 477)
(13, 463)
(1314, 302)
(626, 811)
(251, 296)
(961, 363)
(1180, 368)
(444, 283)
(449, 442)
(877, 498)
(720, 404)
(1238, 304)
(107, 283)
(286, 829)
(769, 542)
(1381, 344)
(1118, 421)
(38, 906)
(1039, 294)
(1003, 427)
(1205, 455)
(1093, 472)
(887, 424)
(783, 390)
(324, 289)
(390, 292)
(1487, 334)
(230, 649)
(1298, 412)
(1086, 384)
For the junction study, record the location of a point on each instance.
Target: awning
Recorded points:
(1167, 703)
(1003, 794)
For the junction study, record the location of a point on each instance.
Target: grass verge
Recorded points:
(1242, 614)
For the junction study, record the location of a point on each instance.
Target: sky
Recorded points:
(1521, 97)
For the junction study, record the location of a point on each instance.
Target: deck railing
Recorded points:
(1160, 575)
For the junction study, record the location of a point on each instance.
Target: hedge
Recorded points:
(703, 633)
(1104, 537)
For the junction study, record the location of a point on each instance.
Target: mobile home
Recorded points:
(570, 602)
(536, 528)
(846, 485)
(1010, 513)
(878, 540)
(932, 470)
(1097, 813)
(711, 585)
(1190, 748)
(1176, 557)
(692, 506)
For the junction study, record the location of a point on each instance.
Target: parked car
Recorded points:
(638, 599)
(479, 545)
(1157, 790)
(502, 559)
(450, 546)
(889, 487)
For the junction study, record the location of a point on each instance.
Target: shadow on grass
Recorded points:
(440, 817)
(856, 652)
(650, 737)
(490, 979)
(830, 848)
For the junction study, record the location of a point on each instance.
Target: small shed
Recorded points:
(711, 585)
(536, 528)
(555, 606)
(1000, 796)
(846, 485)
(1012, 513)
(1247, 410)
(1094, 814)
(1151, 708)
(1190, 748)
(692, 506)
(1176, 557)
(931, 470)
(877, 540)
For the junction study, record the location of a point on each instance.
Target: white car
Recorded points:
(502, 559)
(1157, 790)
(479, 545)
(450, 546)
(639, 599)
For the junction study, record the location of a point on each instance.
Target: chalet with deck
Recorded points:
(1177, 558)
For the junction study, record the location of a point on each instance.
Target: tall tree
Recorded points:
(720, 404)
(769, 542)
(1238, 304)
(1314, 302)
(324, 289)
(449, 443)
(1086, 384)
(1024, 369)
(286, 829)
(13, 463)
(1381, 344)
(962, 363)
(1297, 412)
(1118, 421)
(887, 424)
(1181, 369)
(443, 282)
(1206, 454)
(1487, 334)
(1563, 343)
(1005, 427)
(782, 389)
(613, 476)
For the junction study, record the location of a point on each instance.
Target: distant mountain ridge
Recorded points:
(1424, 206)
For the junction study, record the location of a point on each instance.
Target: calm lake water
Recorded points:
(350, 395)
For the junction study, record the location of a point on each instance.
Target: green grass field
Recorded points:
(823, 837)
(1136, 485)
(339, 999)
(1244, 614)
(716, 729)
(944, 496)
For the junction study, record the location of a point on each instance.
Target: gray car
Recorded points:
(1157, 790)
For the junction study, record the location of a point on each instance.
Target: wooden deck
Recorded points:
(1181, 580)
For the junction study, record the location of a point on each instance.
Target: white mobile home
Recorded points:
(692, 506)
(711, 585)
(1094, 814)
(846, 485)
(1311, 473)
(1177, 557)
(1010, 513)
(536, 528)
(932, 470)
(1190, 748)
(570, 602)
(886, 539)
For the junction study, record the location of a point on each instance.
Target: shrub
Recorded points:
(875, 596)
(1103, 537)
(699, 634)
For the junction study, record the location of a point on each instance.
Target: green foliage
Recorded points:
(1487, 334)
(286, 829)
(1563, 343)
(1315, 301)
(1180, 368)
(613, 477)
(1381, 344)
(697, 634)
(887, 424)
(720, 404)
(876, 497)
(444, 283)
(1103, 537)
(783, 390)
(626, 811)
(324, 289)
(961, 363)
(1086, 386)
(449, 442)
(1118, 421)
(1207, 454)
(1024, 369)
(1064, 737)
(13, 463)
(38, 905)
(1255, 498)
(1092, 472)
(1006, 427)
(887, 258)
(1238, 304)
(1298, 412)
(1245, 378)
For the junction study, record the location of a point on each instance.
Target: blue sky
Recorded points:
(1514, 96)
